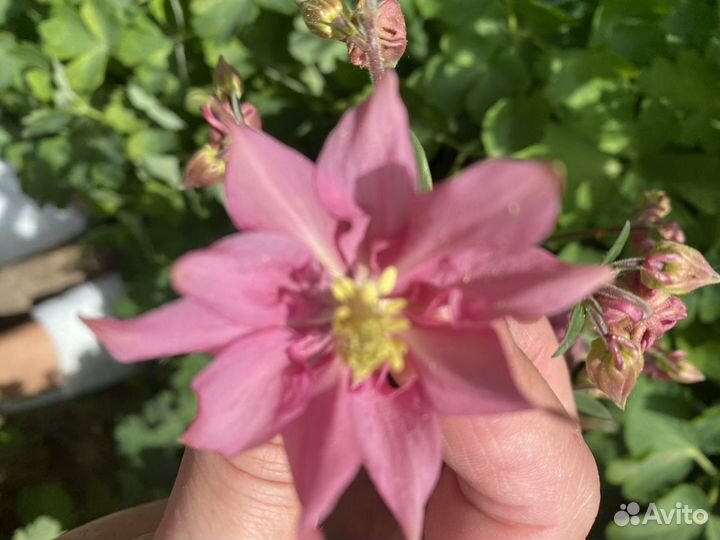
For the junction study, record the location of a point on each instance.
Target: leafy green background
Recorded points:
(99, 106)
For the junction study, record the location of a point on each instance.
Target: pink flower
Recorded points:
(354, 311)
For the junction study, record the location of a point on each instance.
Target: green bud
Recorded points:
(615, 371)
(227, 81)
(325, 18)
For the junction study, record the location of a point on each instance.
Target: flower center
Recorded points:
(365, 323)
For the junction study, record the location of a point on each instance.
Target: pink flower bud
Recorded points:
(392, 34)
(614, 368)
(667, 311)
(673, 365)
(205, 168)
(673, 232)
(677, 269)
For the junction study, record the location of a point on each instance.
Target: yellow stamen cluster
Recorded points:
(365, 324)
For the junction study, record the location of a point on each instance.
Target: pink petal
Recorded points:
(463, 371)
(530, 283)
(271, 187)
(370, 158)
(241, 400)
(179, 327)
(242, 276)
(401, 445)
(496, 203)
(322, 449)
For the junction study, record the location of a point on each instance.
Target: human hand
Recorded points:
(516, 476)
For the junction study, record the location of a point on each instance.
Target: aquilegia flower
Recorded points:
(352, 310)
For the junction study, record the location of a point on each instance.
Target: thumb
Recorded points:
(251, 496)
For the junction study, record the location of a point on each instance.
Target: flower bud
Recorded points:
(227, 81)
(391, 32)
(614, 368)
(656, 205)
(674, 365)
(205, 168)
(324, 18)
(677, 269)
(672, 231)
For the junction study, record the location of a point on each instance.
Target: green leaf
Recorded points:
(48, 498)
(143, 42)
(87, 72)
(712, 531)
(101, 20)
(151, 141)
(643, 479)
(42, 528)
(163, 167)
(513, 124)
(64, 35)
(425, 182)
(151, 106)
(45, 122)
(575, 327)
(220, 19)
(619, 244)
(590, 406)
(286, 7)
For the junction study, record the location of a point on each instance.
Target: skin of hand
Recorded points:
(28, 362)
(518, 476)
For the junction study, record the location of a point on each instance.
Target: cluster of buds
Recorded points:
(643, 304)
(653, 222)
(366, 30)
(207, 166)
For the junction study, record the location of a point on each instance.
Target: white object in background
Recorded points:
(26, 227)
(83, 364)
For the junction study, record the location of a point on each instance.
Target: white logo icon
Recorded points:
(679, 515)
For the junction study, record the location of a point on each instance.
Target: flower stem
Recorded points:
(596, 233)
(374, 50)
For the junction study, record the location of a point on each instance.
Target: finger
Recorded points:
(526, 475)
(250, 497)
(536, 339)
(137, 523)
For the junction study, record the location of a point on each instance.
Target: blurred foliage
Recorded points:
(99, 106)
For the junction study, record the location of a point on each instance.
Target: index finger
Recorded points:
(525, 475)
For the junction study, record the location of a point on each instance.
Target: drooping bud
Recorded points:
(205, 168)
(614, 368)
(672, 231)
(677, 269)
(667, 311)
(392, 35)
(227, 81)
(325, 18)
(674, 365)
